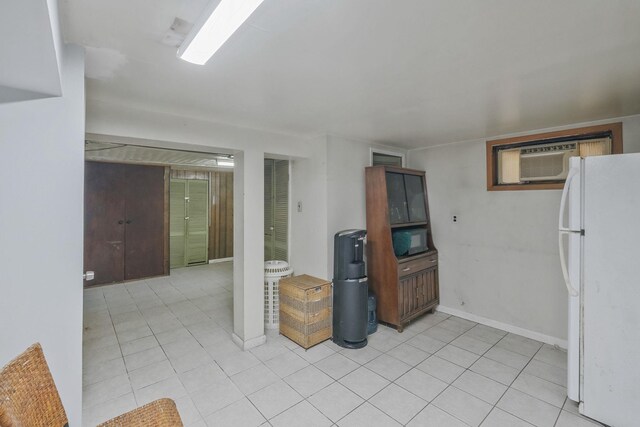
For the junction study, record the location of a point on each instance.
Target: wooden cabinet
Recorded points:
(407, 285)
(125, 228)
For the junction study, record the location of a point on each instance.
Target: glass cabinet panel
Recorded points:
(397, 198)
(415, 198)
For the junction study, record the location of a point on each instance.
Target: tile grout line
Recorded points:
(462, 373)
(509, 386)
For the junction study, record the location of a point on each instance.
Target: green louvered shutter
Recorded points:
(198, 222)
(177, 223)
(268, 210)
(281, 210)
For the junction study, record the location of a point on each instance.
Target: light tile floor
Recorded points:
(170, 337)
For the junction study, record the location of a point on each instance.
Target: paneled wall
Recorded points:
(221, 225)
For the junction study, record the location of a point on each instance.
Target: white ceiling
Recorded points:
(409, 73)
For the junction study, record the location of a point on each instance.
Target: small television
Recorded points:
(409, 241)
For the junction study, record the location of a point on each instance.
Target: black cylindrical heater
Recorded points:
(350, 290)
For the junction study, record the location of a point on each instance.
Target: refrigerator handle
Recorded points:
(563, 265)
(565, 230)
(563, 201)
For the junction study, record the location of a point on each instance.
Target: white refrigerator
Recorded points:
(599, 237)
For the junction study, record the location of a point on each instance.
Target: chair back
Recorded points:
(28, 395)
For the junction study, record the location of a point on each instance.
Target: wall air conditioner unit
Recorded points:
(548, 162)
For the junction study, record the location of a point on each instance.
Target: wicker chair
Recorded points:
(29, 398)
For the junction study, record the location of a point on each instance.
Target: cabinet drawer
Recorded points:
(415, 265)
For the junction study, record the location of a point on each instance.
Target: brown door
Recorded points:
(104, 228)
(144, 222)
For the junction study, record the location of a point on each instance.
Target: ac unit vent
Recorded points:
(546, 162)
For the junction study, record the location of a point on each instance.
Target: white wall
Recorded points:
(41, 184)
(500, 260)
(30, 49)
(308, 179)
(331, 186)
(346, 189)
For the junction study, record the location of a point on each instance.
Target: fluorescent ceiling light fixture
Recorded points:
(225, 163)
(218, 22)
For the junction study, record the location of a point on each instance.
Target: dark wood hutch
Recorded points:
(405, 286)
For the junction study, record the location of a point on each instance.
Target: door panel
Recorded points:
(104, 215)
(276, 210)
(610, 291)
(415, 198)
(144, 225)
(198, 222)
(281, 211)
(177, 225)
(269, 243)
(397, 198)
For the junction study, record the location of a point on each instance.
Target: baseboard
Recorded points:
(215, 261)
(505, 327)
(248, 344)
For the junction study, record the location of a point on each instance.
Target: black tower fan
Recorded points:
(350, 290)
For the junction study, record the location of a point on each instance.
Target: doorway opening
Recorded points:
(149, 210)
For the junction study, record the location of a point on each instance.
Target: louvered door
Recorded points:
(189, 234)
(178, 224)
(281, 211)
(276, 210)
(268, 209)
(197, 221)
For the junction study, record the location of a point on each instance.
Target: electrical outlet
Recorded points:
(455, 218)
(299, 206)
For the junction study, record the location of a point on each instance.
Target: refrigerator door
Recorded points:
(574, 274)
(611, 290)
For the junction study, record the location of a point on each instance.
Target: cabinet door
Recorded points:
(281, 210)
(407, 296)
(417, 291)
(415, 198)
(269, 243)
(397, 198)
(276, 210)
(198, 221)
(426, 287)
(177, 222)
(144, 224)
(104, 215)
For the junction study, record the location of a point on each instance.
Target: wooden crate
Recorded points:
(305, 309)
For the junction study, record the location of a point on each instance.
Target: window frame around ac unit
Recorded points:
(611, 130)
